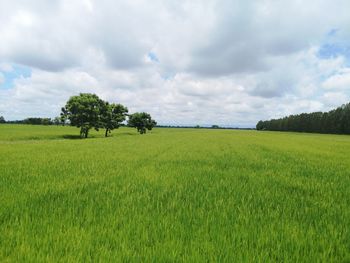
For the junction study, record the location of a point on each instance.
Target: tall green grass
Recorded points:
(173, 195)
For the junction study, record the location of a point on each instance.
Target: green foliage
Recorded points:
(37, 121)
(84, 112)
(112, 116)
(142, 121)
(196, 196)
(2, 119)
(57, 121)
(335, 121)
(88, 111)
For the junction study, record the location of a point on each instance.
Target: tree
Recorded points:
(2, 119)
(346, 119)
(112, 116)
(142, 121)
(334, 121)
(46, 121)
(57, 121)
(84, 112)
(260, 125)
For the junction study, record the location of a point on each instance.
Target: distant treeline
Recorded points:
(203, 127)
(335, 121)
(38, 121)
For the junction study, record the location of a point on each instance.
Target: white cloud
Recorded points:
(6, 67)
(338, 81)
(219, 61)
(334, 99)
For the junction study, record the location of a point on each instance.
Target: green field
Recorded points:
(173, 195)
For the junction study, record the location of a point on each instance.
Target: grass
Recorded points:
(173, 195)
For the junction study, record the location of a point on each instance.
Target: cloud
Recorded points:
(248, 34)
(334, 99)
(2, 78)
(186, 62)
(338, 81)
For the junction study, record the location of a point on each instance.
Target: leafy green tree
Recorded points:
(260, 125)
(84, 112)
(2, 119)
(142, 121)
(112, 116)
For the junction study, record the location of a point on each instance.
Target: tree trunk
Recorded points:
(106, 133)
(86, 133)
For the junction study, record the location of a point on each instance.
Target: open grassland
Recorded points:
(173, 195)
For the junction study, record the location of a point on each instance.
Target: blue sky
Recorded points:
(332, 46)
(153, 57)
(16, 72)
(331, 50)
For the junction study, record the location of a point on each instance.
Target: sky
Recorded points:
(186, 62)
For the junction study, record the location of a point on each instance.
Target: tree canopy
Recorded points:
(2, 119)
(87, 111)
(112, 116)
(142, 121)
(334, 121)
(84, 112)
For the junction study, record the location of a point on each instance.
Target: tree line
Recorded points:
(336, 121)
(34, 121)
(87, 111)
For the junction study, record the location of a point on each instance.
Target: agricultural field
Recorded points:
(173, 195)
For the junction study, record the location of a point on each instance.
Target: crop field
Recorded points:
(173, 195)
